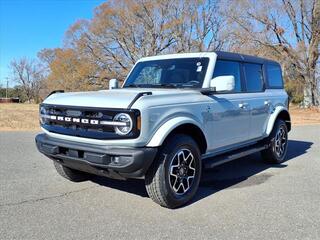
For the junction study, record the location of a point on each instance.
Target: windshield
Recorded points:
(171, 73)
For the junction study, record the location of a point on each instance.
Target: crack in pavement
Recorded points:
(44, 198)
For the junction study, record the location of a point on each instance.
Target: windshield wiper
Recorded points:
(166, 85)
(149, 85)
(141, 85)
(133, 85)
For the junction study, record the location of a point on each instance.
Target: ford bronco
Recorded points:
(173, 116)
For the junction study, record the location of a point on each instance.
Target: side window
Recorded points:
(225, 68)
(274, 76)
(254, 77)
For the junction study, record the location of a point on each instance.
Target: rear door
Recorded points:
(256, 98)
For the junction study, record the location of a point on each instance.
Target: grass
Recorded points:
(300, 116)
(19, 117)
(25, 117)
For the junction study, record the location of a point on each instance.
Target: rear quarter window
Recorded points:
(274, 76)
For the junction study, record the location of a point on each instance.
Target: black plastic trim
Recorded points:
(139, 95)
(55, 91)
(235, 154)
(132, 162)
(212, 91)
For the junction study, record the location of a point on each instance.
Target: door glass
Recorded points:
(274, 76)
(254, 77)
(227, 68)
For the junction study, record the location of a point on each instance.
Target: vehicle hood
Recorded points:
(116, 98)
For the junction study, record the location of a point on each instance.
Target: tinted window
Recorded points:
(274, 76)
(254, 77)
(225, 68)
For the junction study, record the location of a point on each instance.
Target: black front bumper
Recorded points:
(100, 160)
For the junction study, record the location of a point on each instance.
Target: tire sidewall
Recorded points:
(279, 124)
(168, 153)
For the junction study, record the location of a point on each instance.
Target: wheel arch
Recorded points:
(279, 113)
(179, 126)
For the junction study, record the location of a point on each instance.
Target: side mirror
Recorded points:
(223, 83)
(113, 83)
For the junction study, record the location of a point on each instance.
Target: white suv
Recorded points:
(173, 116)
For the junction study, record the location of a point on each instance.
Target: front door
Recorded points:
(230, 111)
(230, 120)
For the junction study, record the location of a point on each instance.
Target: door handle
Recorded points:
(267, 102)
(243, 105)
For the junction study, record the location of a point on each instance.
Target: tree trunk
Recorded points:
(307, 95)
(310, 93)
(315, 95)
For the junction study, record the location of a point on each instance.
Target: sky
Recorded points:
(27, 26)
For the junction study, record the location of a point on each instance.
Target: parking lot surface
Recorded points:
(245, 199)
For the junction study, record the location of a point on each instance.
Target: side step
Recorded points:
(227, 157)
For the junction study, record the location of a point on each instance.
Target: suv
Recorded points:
(173, 116)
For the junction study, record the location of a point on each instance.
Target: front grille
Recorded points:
(86, 122)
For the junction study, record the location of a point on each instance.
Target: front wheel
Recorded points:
(278, 143)
(174, 176)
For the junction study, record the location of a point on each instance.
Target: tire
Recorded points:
(173, 178)
(71, 174)
(278, 143)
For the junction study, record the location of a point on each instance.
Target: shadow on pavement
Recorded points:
(240, 173)
(135, 186)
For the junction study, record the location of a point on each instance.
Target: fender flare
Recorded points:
(162, 133)
(274, 116)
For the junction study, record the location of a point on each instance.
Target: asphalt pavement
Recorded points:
(244, 199)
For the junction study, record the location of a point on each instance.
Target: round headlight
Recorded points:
(126, 127)
(42, 112)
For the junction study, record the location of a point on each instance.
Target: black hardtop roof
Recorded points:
(243, 58)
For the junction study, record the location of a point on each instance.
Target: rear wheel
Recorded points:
(174, 176)
(71, 174)
(278, 143)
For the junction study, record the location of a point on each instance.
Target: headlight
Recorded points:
(42, 113)
(127, 127)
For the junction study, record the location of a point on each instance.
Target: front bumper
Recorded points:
(100, 160)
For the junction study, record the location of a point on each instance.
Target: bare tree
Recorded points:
(123, 31)
(201, 26)
(289, 29)
(29, 75)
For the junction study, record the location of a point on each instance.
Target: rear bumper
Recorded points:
(100, 160)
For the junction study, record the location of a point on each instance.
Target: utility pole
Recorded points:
(7, 87)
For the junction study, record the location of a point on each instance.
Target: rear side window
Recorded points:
(274, 76)
(254, 77)
(227, 68)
